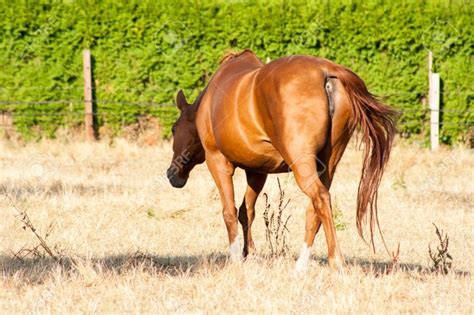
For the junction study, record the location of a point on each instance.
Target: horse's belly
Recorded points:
(261, 158)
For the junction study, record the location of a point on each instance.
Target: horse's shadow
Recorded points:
(380, 268)
(119, 264)
(35, 269)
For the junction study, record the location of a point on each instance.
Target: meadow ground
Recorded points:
(129, 242)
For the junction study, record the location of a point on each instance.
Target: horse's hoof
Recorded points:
(249, 256)
(336, 264)
(303, 259)
(249, 252)
(301, 267)
(236, 258)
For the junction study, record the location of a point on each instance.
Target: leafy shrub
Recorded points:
(145, 50)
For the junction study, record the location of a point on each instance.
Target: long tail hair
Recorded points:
(377, 124)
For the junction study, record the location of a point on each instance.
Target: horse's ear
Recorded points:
(181, 100)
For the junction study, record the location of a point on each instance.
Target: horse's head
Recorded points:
(187, 148)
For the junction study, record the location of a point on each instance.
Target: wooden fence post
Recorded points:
(88, 101)
(433, 99)
(434, 110)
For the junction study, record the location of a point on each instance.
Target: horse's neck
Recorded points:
(197, 103)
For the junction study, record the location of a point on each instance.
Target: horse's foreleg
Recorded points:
(222, 171)
(255, 183)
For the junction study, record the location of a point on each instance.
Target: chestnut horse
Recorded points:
(293, 114)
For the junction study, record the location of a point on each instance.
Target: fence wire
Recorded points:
(9, 109)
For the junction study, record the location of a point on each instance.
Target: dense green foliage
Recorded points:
(145, 50)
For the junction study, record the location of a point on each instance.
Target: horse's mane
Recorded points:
(233, 54)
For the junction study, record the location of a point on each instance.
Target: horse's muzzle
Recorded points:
(175, 180)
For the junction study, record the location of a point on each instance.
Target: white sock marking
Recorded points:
(235, 251)
(302, 262)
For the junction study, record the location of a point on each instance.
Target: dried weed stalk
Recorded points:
(276, 229)
(394, 263)
(41, 249)
(442, 260)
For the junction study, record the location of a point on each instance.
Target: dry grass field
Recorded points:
(128, 242)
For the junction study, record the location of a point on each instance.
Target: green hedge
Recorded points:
(144, 51)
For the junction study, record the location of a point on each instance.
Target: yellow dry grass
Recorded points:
(131, 243)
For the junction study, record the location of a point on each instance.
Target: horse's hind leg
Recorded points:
(255, 183)
(305, 171)
(313, 223)
(300, 151)
(328, 158)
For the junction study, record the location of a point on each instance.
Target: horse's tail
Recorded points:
(377, 124)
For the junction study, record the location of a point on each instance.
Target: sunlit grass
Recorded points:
(129, 242)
